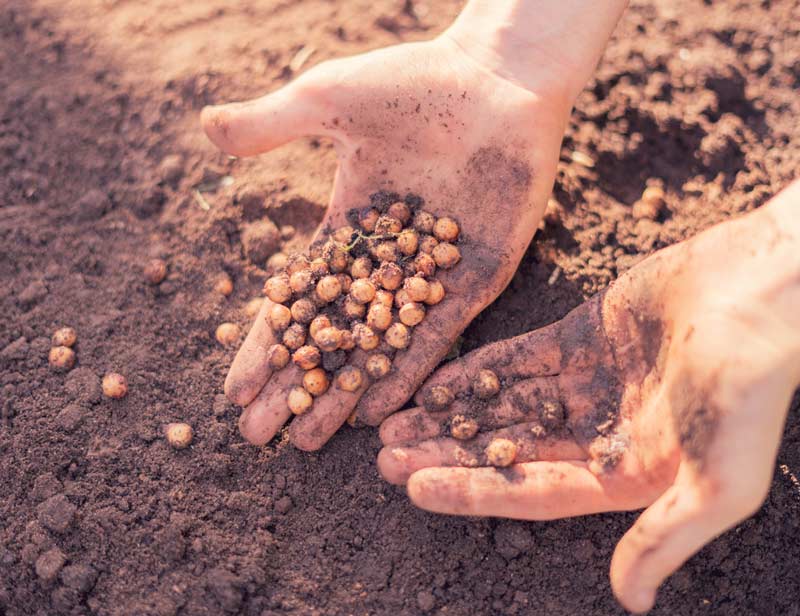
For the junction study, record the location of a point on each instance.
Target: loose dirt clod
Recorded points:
(299, 400)
(155, 271)
(486, 384)
(438, 398)
(462, 428)
(501, 452)
(61, 358)
(64, 336)
(227, 333)
(115, 385)
(179, 435)
(349, 378)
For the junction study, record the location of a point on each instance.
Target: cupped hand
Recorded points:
(669, 391)
(422, 118)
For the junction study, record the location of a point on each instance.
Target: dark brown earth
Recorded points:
(98, 515)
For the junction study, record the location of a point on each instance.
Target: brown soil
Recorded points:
(99, 515)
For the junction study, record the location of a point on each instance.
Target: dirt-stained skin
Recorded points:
(575, 387)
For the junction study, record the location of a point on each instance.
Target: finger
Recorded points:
(531, 400)
(533, 354)
(398, 463)
(665, 536)
(250, 369)
(313, 429)
(265, 415)
(430, 341)
(415, 424)
(531, 491)
(468, 288)
(262, 124)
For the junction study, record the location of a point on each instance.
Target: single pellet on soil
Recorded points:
(179, 435)
(155, 271)
(115, 385)
(64, 336)
(227, 333)
(61, 358)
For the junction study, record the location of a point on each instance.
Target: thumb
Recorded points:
(262, 124)
(666, 535)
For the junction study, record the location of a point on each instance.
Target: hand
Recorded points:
(669, 391)
(425, 118)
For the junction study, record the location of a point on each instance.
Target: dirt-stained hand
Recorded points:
(422, 118)
(669, 391)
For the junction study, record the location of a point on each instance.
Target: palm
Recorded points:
(668, 391)
(417, 118)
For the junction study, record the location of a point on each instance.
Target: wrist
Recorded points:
(781, 238)
(545, 46)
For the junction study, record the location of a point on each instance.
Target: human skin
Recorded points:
(471, 121)
(672, 388)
